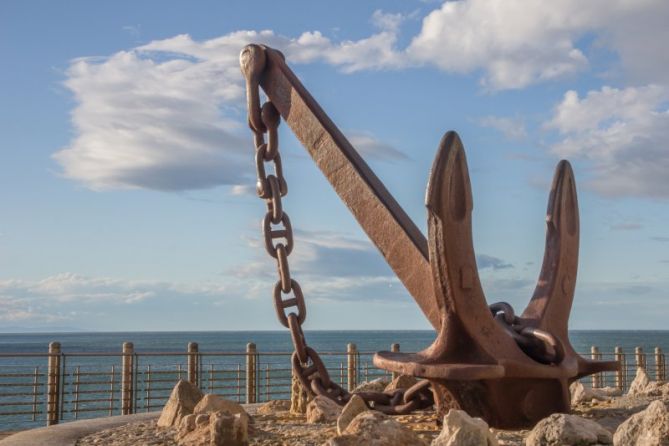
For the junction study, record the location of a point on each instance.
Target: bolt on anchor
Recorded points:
(510, 370)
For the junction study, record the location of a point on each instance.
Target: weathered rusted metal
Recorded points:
(510, 370)
(307, 364)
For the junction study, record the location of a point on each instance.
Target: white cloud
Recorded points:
(169, 115)
(512, 128)
(520, 42)
(622, 133)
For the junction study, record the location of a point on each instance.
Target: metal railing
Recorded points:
(57, 386)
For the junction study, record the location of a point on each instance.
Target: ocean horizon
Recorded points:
(279, 340)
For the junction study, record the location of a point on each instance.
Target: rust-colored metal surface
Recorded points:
(510, 370)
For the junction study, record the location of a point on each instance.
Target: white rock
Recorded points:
(649, 427)
(377, 385)
(299, 397)
(216, 429)
(182, 401)
(643, 386)
(640, 382)
(372, 428)
(322, 410)
(562, 429)
(581, 393)
(354, 406)
(186, 424)
(401, 382)
(462, 430)
(273, 406)
(214, 403)
(610, 391)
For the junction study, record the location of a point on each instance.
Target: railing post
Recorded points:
(659, 365)
(395, 348)
(251, 373)
(352, 366)
(127, 369)
(640, 358)
(193, 372)
(596, 377)
(618, 356)
(53, 385)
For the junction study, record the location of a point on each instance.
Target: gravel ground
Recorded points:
(279, 429)
(282, 428)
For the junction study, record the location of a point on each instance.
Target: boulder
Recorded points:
(182, 401)
(214, 429)
(460, 429)
(372, 428)
(186, 424)
(354, 406)
(401, 382)
(299, 397)
(201, 419)
(273, 406)
(214, 403)
(583, 394)
(643, 386)
(377, 385)
(649, 427)
(562, 429)
(610, 391)
(322, 410)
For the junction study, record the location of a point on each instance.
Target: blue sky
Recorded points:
(126, 169)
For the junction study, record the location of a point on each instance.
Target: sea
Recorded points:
(22, 354)
(279, 341)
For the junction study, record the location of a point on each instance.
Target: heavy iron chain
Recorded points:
(291, 312)
(538, 344)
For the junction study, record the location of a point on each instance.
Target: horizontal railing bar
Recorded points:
(82, 392)
(21, 394)
(88, 409)
(21, 375)
(83, 383)
(21, 412)
(96, 400)
(17, 403)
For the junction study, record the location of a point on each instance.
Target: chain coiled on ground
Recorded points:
(307, 365)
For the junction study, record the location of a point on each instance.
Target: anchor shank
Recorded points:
(397, 237)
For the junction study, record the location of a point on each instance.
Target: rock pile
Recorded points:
(638, 418)
(643, 386)
(204, 420)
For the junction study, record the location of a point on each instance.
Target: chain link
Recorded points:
(306, 363)
(538, 344)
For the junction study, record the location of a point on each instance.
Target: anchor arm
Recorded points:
(385, 222)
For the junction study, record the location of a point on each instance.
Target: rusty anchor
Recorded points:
(510, 370)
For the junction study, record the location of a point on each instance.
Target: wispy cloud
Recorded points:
(629, 226)
(512, 128)
(485, 261)
(372, 147)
